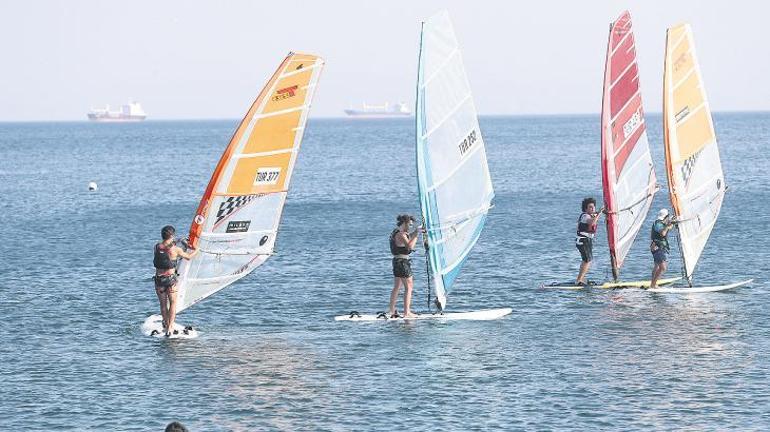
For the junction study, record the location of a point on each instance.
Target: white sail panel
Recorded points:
(453, 178)
(695, 177)
(628, 176)
(238, 217)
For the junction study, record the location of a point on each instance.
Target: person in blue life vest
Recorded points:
(402, 243)
(166, 255)
(584, 239)
(659, 245)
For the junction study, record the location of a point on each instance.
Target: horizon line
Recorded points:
(321, 117)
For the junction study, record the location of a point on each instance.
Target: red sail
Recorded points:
(628, 178)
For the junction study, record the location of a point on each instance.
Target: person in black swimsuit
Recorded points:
(166, 256)
(402, 243)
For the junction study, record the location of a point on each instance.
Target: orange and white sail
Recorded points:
(237, 219)
(628, 177)
(695, 177)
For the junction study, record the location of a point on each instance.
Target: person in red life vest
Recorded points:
(166, 256)
(584, 241)
(402, 243)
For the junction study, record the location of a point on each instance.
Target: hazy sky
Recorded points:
(209, 59)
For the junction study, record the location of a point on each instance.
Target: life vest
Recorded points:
(657, 237)
(162, 261)
(394, 248)
(584, 229)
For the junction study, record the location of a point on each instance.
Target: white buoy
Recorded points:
(92, 186)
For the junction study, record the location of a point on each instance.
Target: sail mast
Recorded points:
(608, 199)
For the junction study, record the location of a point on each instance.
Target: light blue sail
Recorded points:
(453, 178)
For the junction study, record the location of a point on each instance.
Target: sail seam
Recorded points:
(459, 259)
(678, 41)
(226, 235)
(227, 194)
(683, 79)
(235, 252)
(646, 158)
(441, 67)
(644, 195)
(460, 218)
(630, 99)
(627, 140)
(705, 185)
(623, 73)
(690, 114)
(466, 158)
(456, 228)
(295, 72)
(281, 112)
(447, 116)
(267, 153)
(623, 39)
(216, 279)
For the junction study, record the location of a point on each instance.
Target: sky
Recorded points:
(209, 59)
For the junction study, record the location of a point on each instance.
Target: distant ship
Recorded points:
(131, 112)
(380, 111)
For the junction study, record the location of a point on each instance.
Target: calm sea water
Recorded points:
(75, 287)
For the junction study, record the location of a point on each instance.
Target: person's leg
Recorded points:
(657, 270)
(171, 308)
(394, 296)
(409, 284)
(584, 266)
(162, 299)
(655, 274)
(585, 247)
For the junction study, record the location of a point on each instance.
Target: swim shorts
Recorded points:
(164, 282)
(585, 246)
(660, 256)
(402, 267)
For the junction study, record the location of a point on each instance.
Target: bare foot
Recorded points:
(410, 315)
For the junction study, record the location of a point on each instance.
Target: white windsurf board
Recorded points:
(153, 326)
(701, 289)
(480, 315)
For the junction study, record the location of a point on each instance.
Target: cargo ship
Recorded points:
(130, 112)
(386, 110)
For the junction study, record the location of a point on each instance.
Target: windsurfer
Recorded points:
(402, 243)
(586, 229)
(166, 256)
(659, 245)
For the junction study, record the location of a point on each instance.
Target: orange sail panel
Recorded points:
(694, 169)
(238, 216)
(628, 177)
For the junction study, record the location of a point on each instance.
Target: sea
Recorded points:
(76, 267)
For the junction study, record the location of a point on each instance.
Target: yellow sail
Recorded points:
(237, 219)
(695, 177)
